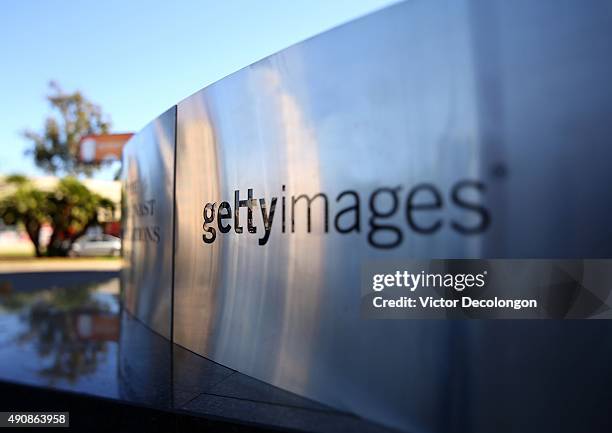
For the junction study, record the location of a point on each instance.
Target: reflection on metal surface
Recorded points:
(148, 182)
(66, 335)
(458, 132)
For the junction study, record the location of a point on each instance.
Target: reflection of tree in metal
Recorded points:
(67, 327)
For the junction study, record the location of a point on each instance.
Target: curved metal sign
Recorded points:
(423, 131)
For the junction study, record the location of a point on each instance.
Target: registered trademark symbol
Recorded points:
(499, 170)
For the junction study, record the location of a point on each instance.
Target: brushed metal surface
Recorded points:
(512, 95)
(148, 195)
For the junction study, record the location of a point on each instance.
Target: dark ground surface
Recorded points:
(93, 414)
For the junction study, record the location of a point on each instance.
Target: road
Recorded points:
(11, 266)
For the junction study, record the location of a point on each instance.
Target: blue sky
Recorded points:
(138, 58)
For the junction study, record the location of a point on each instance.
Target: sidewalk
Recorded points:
(60, 264)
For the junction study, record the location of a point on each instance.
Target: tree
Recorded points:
(26, 205)
(56, 148)
(71, 208)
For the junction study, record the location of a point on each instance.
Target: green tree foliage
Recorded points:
(27, 205)
(71, 208)
(55, 148)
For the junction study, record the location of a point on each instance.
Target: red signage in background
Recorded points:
(103, 147)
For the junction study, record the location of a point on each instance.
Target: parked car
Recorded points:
(96, 245)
